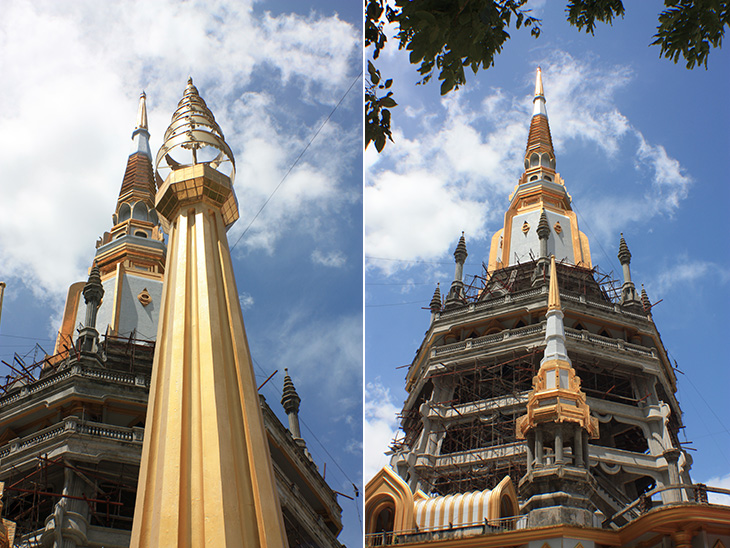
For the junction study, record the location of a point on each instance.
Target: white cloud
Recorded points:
(669, 184)
(719, 481)
(71, 82)
(381, 425)
(324, 356)
(580, 102)
(246, 300)
(686, 271)
(415, 216)
(333, 259)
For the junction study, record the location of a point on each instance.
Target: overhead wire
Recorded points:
(296, 161)
(321, 445)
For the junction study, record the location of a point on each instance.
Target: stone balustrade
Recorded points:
(116, 377)
(73, 426)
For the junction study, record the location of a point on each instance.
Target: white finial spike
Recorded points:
(142, 112)
(555, 329)
(539, 100)
(141, 135)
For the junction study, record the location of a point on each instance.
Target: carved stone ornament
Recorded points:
(144, 297)
(525, 227)
(558, 229)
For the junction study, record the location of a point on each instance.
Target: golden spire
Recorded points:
(142, 112)
(538, 83)
(206, 477)
(554, 295)
(556, 395)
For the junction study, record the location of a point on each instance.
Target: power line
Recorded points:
(337, 464)
(28, 338)
(297, 160)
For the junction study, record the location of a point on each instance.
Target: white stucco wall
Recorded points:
(560, 245)
(133, 316)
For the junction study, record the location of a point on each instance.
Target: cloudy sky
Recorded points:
(641, 144)
(271, 72)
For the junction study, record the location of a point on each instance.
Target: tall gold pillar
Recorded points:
(206, 477)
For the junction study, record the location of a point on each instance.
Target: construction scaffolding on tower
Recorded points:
(31, 497)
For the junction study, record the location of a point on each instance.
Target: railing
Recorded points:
(643, 504)
(71, 426)
(479, 342)
(617, 344)
(485, 527)
(528, 294)
(570, 333)
(75, 371)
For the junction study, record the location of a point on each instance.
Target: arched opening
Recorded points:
(534, 160)
(505, 507)
(385, 520)
(380, 526)
(139, 211)
(141, 234)
(124, 212)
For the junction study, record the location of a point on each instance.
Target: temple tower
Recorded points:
(472, 377)
(206, 477)
(130, 257)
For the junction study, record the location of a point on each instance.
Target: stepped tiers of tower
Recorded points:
(541, 406)
(73, 426)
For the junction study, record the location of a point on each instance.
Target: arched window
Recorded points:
(381, 524)
(124, 212)
(141, 234)
(139, 211)
(385, 520)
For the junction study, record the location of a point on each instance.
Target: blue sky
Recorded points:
(641, 144)
(271, 72)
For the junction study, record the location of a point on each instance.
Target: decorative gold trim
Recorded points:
(525, 227)
(558, 229)
(387, 487)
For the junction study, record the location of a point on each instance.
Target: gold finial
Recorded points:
(554, 295)
(194, 137)
(538, 83)
(142, 112)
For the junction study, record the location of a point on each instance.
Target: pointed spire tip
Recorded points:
(554, 294)
(539, 92)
